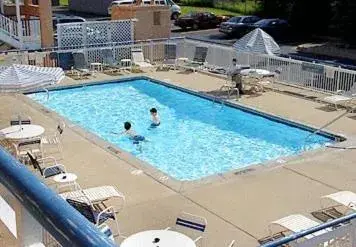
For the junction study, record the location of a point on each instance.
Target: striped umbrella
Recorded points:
(19, 78)
(257, 41)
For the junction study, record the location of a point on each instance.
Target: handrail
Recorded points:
(309, 231)
(328, 123)
(62, 221)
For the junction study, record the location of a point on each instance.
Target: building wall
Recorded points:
(99, 7)
(145, 26)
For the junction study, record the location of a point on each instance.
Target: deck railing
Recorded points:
(312, 76)
(34, 214)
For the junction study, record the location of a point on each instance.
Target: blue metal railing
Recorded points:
(62, 221)
(304, 233)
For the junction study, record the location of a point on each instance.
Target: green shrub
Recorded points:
(198, 3)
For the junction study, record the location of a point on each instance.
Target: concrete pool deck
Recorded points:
(236, 208)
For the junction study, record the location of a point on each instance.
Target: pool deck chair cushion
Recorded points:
(139, 59)
(297, 223)
(88, 212)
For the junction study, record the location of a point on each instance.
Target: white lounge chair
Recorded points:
(342, 97)
(297, 223)
(139, 59)
(335, 205)
(95, 195)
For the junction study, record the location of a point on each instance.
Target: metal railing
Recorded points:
(312, 76)
(338, 233)
(39, 207)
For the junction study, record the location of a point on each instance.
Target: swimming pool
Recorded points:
(196, 138)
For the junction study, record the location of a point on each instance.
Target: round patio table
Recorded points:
(258, 72)
(158, 238)
(26, 131)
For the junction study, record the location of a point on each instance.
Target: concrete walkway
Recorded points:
(236, 208)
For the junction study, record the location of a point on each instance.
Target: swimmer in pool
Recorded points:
(132, 134)
(155, 118)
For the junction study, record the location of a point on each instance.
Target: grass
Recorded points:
(216, 11)
(63, 2)
(232, 7)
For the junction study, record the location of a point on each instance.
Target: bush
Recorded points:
(198, 3)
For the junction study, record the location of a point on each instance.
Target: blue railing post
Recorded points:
(62, 221)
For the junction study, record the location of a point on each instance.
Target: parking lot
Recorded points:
(214, 36)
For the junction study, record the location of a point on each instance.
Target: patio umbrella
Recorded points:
(257, 41)
(19, 78)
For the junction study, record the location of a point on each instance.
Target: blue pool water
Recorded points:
(195, 139)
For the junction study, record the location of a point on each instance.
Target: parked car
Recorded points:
(175, 9)
(277, 28)
(239, 25)
(198, 20)
(62, 19)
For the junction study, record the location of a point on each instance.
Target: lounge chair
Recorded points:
(33, 146)
(81, 64)
(170, 57)
(109, 62)
(345, 203)
(199, 59)
(94, 215)
(95, 195)
(186, 221)
(47, 171)
(343, 97)
(138, 59)
(297, 223)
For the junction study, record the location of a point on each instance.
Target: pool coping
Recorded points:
(138, 166)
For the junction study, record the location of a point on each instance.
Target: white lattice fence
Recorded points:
(94, 34)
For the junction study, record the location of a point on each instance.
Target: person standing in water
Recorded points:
(155, 118)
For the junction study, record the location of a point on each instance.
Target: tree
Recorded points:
(276, 8)
(344, 19)
(311, 16)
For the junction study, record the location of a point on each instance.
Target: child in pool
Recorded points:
(132, 134)
(155, 118)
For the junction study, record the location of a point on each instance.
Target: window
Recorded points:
(157, 18)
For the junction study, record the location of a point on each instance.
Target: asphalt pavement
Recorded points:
(214, 36)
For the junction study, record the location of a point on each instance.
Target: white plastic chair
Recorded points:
(55, 140)
(139, 59)
(195, 224)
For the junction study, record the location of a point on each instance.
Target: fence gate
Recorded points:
(94, 33)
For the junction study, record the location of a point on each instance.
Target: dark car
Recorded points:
(239, 25)
(198, 21)
(277, 28)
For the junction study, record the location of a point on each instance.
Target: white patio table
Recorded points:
(22, 132)
(256, 72)
(158, 238)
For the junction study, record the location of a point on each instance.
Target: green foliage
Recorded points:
(187, 9)
(235, 6)
(63, 2)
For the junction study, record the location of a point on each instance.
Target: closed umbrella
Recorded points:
(257, 41)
